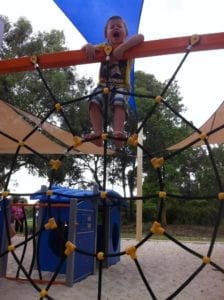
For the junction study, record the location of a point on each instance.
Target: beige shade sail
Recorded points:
(213, 128)
(17, 124)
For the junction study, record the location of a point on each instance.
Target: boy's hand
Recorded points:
(90, 51)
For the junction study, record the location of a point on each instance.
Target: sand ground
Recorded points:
(165, 266)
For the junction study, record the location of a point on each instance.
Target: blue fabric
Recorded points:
(90, 16)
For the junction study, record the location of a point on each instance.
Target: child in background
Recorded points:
(17, 213)
(117, 78)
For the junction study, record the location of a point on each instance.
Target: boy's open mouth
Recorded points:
(116, 34)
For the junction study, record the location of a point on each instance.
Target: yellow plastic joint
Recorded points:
(106, 90)
(103, 194)
(51, 224)
(77, 141)
(162, 195)
(5, 194)
(58, 106)
(158, 99)
(100, 256)
(133, 140)
(107, 49)
(157, 162)
(11, 248)
(221, 196)
(206, 260)
(34, 59)
(157, 228)
(69, 248)
(131, 251)
(43, 293)
(21, 143)
(55, 164)
(104, 136)
(195, 38)
(203, 136)
(49, 192)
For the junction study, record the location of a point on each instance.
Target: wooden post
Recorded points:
(139, 189)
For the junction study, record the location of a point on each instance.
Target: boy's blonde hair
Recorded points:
(115, 18)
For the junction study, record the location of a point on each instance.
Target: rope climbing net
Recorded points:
(163, 195)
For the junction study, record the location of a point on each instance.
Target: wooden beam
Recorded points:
(174, 45)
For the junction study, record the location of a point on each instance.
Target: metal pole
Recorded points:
(139, 188)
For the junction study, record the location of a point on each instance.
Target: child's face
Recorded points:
(116, 32)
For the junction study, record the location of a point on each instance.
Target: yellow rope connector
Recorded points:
(69, 248)
(203, 136)
(131, 251)
(49, 192)
(162, 195)
(77, 141)
(21, 143)
(58, 106)
(106, 90)
(107, 49)
(100, 256)
(51, 224)
(103, 195)
(104, 136)
(221, 196)
(43, 293)
(5, 194)
(158, 99)
(55, 164)
(133, 140)
(195, 38)
(206, 260)
(157, 228)
(11, 248)
(157, 162)
(34, 59)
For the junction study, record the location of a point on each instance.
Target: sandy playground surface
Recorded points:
(165, 265)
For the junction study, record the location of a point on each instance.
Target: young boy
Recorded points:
(116, 77)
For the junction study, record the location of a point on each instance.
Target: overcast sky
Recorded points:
(201, 77)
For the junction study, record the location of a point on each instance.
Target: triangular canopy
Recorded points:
(14, 128)
(213, 127)
(90, 16)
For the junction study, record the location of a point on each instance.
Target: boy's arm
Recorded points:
(131, 42)
(91, 50)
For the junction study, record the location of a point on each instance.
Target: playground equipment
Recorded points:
(75, 213)
(157, 162)
(3, 236)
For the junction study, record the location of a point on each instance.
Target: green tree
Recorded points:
(26, 90)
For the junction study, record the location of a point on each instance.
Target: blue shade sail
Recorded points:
(90, 16)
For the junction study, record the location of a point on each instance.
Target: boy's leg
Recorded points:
(96, 120)
(95, 115)
(118, 124)
(119, 118)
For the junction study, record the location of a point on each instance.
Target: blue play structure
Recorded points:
(3, 240)
(78, 222)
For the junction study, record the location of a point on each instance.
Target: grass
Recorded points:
(180, 232)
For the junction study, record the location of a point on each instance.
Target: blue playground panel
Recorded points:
(109, 240)
(51, 242)
(3, 237)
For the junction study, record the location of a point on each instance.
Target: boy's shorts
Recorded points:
(114, 97)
